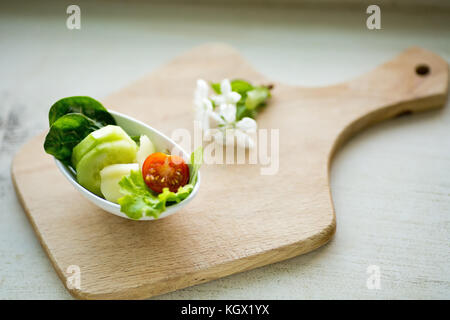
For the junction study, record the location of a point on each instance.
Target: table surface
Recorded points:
(390, 184)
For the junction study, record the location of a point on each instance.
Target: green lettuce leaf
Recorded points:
(194, 166)
(139, 201)
(237, 85)
(216, 87)
(253, 98)
(257, 97)
(167, 196)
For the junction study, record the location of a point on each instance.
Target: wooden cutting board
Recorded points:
(240, 219)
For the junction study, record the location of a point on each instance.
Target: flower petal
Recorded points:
(201, 92)
(228, 112)
(247, 125)
(233, 97)
(218, 100)
(201, 109)
(225, 87)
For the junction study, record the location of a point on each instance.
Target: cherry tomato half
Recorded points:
(165, 171)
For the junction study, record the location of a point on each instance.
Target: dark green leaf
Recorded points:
(88, 106)
(136, 139)
(65, 133)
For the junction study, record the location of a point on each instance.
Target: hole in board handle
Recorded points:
(422, 70)
(403, 113)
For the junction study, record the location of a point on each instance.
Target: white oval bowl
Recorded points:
(161, 142)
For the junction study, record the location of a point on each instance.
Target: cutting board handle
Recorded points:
(416, 80)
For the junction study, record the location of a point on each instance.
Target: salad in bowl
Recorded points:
(120, 164)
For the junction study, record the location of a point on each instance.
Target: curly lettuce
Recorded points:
(140, 201)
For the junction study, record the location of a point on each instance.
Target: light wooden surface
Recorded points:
(240, 218)
(411, 247)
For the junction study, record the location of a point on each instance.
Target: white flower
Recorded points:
(224, 117)
(201, 92)
(226, 95)
(203, 105)
(225, 128)
(221, 124)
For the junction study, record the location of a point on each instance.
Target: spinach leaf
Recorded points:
(88, 106)
(65, 133)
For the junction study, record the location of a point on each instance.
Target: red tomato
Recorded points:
(165, 171)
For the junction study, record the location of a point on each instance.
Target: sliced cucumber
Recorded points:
(110, 177)
(107, 153)
(146, 148)
(105, 134)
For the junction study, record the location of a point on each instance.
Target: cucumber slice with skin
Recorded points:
(107, 153)
(105, 134)
(110, 177)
